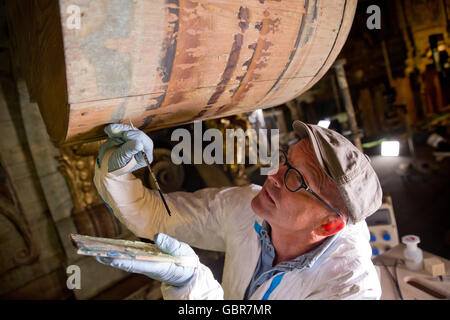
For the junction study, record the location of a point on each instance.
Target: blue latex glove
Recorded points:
(131, 142)
(170, 273)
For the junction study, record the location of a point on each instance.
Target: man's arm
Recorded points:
(197, 218)
(347, 274)
(358, 284)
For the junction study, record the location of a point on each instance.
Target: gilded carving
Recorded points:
(91, 216)
(235, 170)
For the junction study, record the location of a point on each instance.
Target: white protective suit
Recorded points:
(223, 220)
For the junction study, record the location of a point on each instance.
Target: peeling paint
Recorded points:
(229, 69)
(299, 41)
(243, 16)
(310, 22)
(157, 104)
(257, 60)
(147, 121)
(170, 43)
(113, 70)
(168, 56)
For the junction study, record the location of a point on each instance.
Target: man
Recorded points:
(300, 236)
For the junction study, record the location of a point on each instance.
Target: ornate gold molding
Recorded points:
(235, 170)
(90, 214)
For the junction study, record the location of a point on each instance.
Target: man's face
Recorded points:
(294, 211)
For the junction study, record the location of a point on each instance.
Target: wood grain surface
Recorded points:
(163, 63)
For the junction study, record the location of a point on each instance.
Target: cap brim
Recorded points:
(303, 131)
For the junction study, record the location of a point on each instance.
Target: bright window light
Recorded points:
(390, 148)
(324, 123)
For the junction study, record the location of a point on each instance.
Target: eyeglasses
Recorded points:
(294, 181)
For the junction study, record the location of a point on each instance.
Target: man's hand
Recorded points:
(170, 273)
(131, 142)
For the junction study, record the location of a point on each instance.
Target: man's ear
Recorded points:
(330, 225)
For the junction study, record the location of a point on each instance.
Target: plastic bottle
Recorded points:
(412, 253)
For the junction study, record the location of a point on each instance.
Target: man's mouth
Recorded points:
(268, 196)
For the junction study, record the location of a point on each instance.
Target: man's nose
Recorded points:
(278, 177)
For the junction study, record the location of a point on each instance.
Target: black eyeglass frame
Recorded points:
(303, 184)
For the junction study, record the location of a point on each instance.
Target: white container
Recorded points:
(412, 253)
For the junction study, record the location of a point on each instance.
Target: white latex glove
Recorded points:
(130, 141)
(170, 273)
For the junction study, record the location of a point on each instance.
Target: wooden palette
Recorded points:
(125, 249)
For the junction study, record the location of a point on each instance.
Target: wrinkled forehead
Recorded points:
(299, 148)
(301, 154)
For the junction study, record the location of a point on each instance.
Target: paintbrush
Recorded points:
(153, 176)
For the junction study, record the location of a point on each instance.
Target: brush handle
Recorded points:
(153, 176)
(157, 185)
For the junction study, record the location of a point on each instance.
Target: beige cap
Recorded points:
(349, 168)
